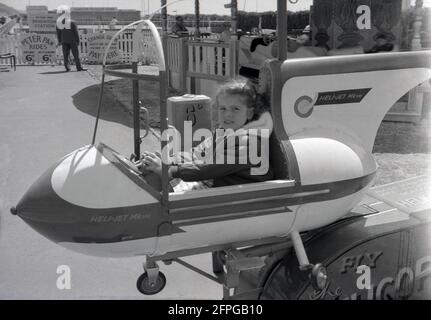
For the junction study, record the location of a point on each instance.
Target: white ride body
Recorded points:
(122, 249)
(333, 144)
(350, 123)
(302, 217)
(86, 178)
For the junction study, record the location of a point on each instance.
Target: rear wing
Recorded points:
(343, 98)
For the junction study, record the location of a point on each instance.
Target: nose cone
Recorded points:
(86, 198)
(42, 209)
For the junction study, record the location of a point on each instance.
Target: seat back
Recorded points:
(278, 158)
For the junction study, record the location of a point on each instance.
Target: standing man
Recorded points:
(68, 37)
(178, 28)
(113, 23)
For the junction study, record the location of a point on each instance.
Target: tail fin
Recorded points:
(344, 97)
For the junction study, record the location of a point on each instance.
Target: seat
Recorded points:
(278, 158)
(11, 58)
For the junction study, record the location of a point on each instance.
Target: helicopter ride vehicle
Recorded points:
(254, 49)
(326, 114)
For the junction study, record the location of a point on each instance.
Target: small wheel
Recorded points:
(144, 286)
(318, 277)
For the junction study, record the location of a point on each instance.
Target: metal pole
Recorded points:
(304, 264)
(197, 18)
(100, 106)
(164, 13)
(234, 16)
(282, 29)
(163, 128)
(136, 122)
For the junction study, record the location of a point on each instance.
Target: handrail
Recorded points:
(208, 44)
(133, 76)
(154, 31)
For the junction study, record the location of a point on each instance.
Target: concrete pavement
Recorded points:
(46, 113)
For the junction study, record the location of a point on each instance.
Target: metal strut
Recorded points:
(304, 264)
(152, 269)
(236, 262)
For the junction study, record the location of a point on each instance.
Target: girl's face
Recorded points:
(233, 111)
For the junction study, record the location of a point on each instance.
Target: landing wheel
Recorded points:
(318, 277)
(144, 286)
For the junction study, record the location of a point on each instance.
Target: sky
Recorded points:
(181, 7)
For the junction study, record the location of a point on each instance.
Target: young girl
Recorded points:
(240, 109)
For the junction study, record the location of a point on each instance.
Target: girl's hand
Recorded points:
(152, 162)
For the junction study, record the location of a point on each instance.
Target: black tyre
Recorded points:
(144, 286)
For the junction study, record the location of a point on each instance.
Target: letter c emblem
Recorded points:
(303, 106)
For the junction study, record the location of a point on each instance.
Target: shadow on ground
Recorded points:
(54, 72)
(87, 101)
(149, 95)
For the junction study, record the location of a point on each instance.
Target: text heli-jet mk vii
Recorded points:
(326, 115)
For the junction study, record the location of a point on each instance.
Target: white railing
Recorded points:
(150, 49)
(200, 58)
(126, 47)
(10, 44)
(176, 51)
(209, 60)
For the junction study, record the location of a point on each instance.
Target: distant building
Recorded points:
(36, 10)
(39, 19)
(103, 15)
(125, 16)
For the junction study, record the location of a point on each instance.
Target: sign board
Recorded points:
(96, 46)
(38, 48)
(42, 23)
(189, 107)
(341, 96)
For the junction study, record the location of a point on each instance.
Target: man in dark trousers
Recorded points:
(68, 37)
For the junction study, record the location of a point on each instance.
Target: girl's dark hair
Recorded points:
(246, 89)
